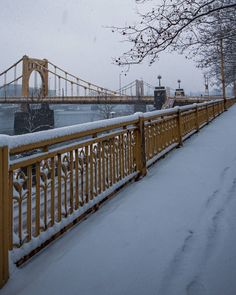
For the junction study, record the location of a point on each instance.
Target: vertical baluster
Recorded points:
(117, 158)
(169, 131)
(103, 167)
(110, 163)
(207, 114)
(107, 149)
(173, 129)
(91, 172)
(52, 191)
(4, 214)
(125, 154)
(37, 207)
(87, 174)
(59, 188)
(113, 160)
(82, 159)
(99, 168)
(128, 152)
(95, 171)
(166, 133)
(71, 182)
(76, 180)
(155, 138)
(151, 140)
(45, 204)
(122, 155)
(29, 205)
(160, 136)
(11, 210)
(147, 131)
(65, 175)
(180, 128)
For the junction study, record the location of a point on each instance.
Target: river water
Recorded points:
(63, 116)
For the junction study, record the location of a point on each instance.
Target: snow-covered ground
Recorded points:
(173, 232)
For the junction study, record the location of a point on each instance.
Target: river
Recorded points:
(63, 116)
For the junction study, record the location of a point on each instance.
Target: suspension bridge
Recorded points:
(20, 84)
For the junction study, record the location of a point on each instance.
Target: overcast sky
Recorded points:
(73, 34)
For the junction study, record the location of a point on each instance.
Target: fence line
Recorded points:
(55, 177)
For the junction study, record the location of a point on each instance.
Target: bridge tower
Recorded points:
(38, 65)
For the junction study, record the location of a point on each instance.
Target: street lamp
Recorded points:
(206, 85)
(159, 78)
(179, 81)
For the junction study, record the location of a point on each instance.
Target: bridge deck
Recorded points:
(81, 100)
(173, 232)
(97, 100)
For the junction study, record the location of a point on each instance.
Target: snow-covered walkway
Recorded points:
(173, 232)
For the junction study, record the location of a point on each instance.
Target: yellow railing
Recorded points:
(52, 179)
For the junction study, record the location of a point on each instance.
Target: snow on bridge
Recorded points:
(173, 232)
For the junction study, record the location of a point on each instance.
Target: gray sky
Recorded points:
(72, 35)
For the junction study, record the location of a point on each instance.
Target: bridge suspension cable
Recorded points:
(11, 76)
(77, 82)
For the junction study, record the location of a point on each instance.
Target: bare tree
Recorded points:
(216, 48)
(106, 110)
(36, 113)
(172, 25)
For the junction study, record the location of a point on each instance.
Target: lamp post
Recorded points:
(206, 85)
(179, 81)
(159, 78)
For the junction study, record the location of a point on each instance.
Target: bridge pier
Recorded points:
(160, 97)
(139, 106)
(30, 119)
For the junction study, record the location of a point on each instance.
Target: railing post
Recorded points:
(225, 105)
(197, 119)
(221, 107)
(179, 118)
(207, 113)
(218, 109)
(140, 151)
(4, 216)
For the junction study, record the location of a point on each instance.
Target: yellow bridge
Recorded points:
(20, 84)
